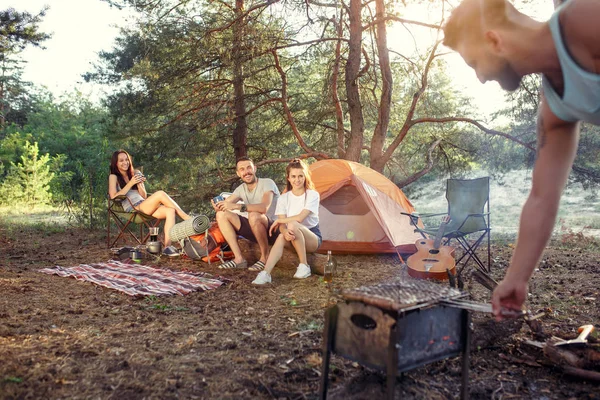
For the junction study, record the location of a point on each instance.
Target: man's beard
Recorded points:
(508, 78)
(253, 179)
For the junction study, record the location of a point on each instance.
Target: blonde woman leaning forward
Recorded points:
(124, 180)
(297, 219)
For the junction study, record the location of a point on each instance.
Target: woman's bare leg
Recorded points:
(168, 214)
(305, 241)
(156, 199)
(275, 253)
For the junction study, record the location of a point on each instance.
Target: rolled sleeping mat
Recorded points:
(193, 226)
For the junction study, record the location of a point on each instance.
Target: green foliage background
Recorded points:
(171, 108)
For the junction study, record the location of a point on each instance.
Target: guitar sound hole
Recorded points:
(363, 321)
(434, 251)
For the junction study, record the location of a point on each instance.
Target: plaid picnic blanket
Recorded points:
(136, 280)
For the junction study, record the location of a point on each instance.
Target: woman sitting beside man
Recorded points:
(123, 180)
(297, 220)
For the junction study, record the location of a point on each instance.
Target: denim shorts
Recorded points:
(317, 231)
(127, 205)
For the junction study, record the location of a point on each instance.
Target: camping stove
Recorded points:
(397, 327)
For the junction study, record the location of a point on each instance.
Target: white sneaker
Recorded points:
(303, 271)
(262, 278)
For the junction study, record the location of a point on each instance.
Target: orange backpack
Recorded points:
(209, 247)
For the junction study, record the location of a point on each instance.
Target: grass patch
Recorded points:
(154, 304)
(289, 300)
(312, 325)
(586, 221)
(42, 219)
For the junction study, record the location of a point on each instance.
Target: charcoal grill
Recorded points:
(397, 327)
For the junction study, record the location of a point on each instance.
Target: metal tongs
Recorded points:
(487, 308)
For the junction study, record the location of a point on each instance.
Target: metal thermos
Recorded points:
(136, 255)
(154, 247)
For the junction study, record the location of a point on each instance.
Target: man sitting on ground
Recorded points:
(259, 196)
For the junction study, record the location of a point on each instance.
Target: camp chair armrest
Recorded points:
(414, 218)
(119, 199)
(417, 215)
(115, 202)
(479, 215)
(432, 215)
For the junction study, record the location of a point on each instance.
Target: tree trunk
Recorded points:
(339, 115)
(383, 120)
(240, 131)
(352, 90)
(2, 108)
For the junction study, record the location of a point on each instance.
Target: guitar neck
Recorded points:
(440, 233)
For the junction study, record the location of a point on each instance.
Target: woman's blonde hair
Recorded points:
(297, 163)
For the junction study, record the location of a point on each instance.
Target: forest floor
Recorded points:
(62, 338)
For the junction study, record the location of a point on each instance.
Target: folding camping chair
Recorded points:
(124, 220)
(469, 211)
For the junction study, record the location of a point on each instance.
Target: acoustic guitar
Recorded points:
(432, 261)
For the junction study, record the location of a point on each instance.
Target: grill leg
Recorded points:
(392, 363)
(466, 354)
(328, 336)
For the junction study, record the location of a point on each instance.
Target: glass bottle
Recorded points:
(330, 268)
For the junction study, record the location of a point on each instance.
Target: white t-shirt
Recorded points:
(290, 205)
(255, 196)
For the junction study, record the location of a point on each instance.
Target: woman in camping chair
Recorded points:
(124, 180)
(297, 219)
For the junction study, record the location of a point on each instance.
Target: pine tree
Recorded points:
(28, 182)
(17, 31)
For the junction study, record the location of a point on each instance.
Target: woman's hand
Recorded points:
(135, 179)
(275, 224)
(289, 235)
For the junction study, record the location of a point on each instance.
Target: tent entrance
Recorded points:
(346, 201)
(345, 217)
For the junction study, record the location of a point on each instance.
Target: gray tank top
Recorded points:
(134, 196)
(581, 97)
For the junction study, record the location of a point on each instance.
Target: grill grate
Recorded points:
(402, 295)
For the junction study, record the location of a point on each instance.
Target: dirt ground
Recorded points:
(62, 338)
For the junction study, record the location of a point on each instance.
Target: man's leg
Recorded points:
(229, 223)
(259, 224)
